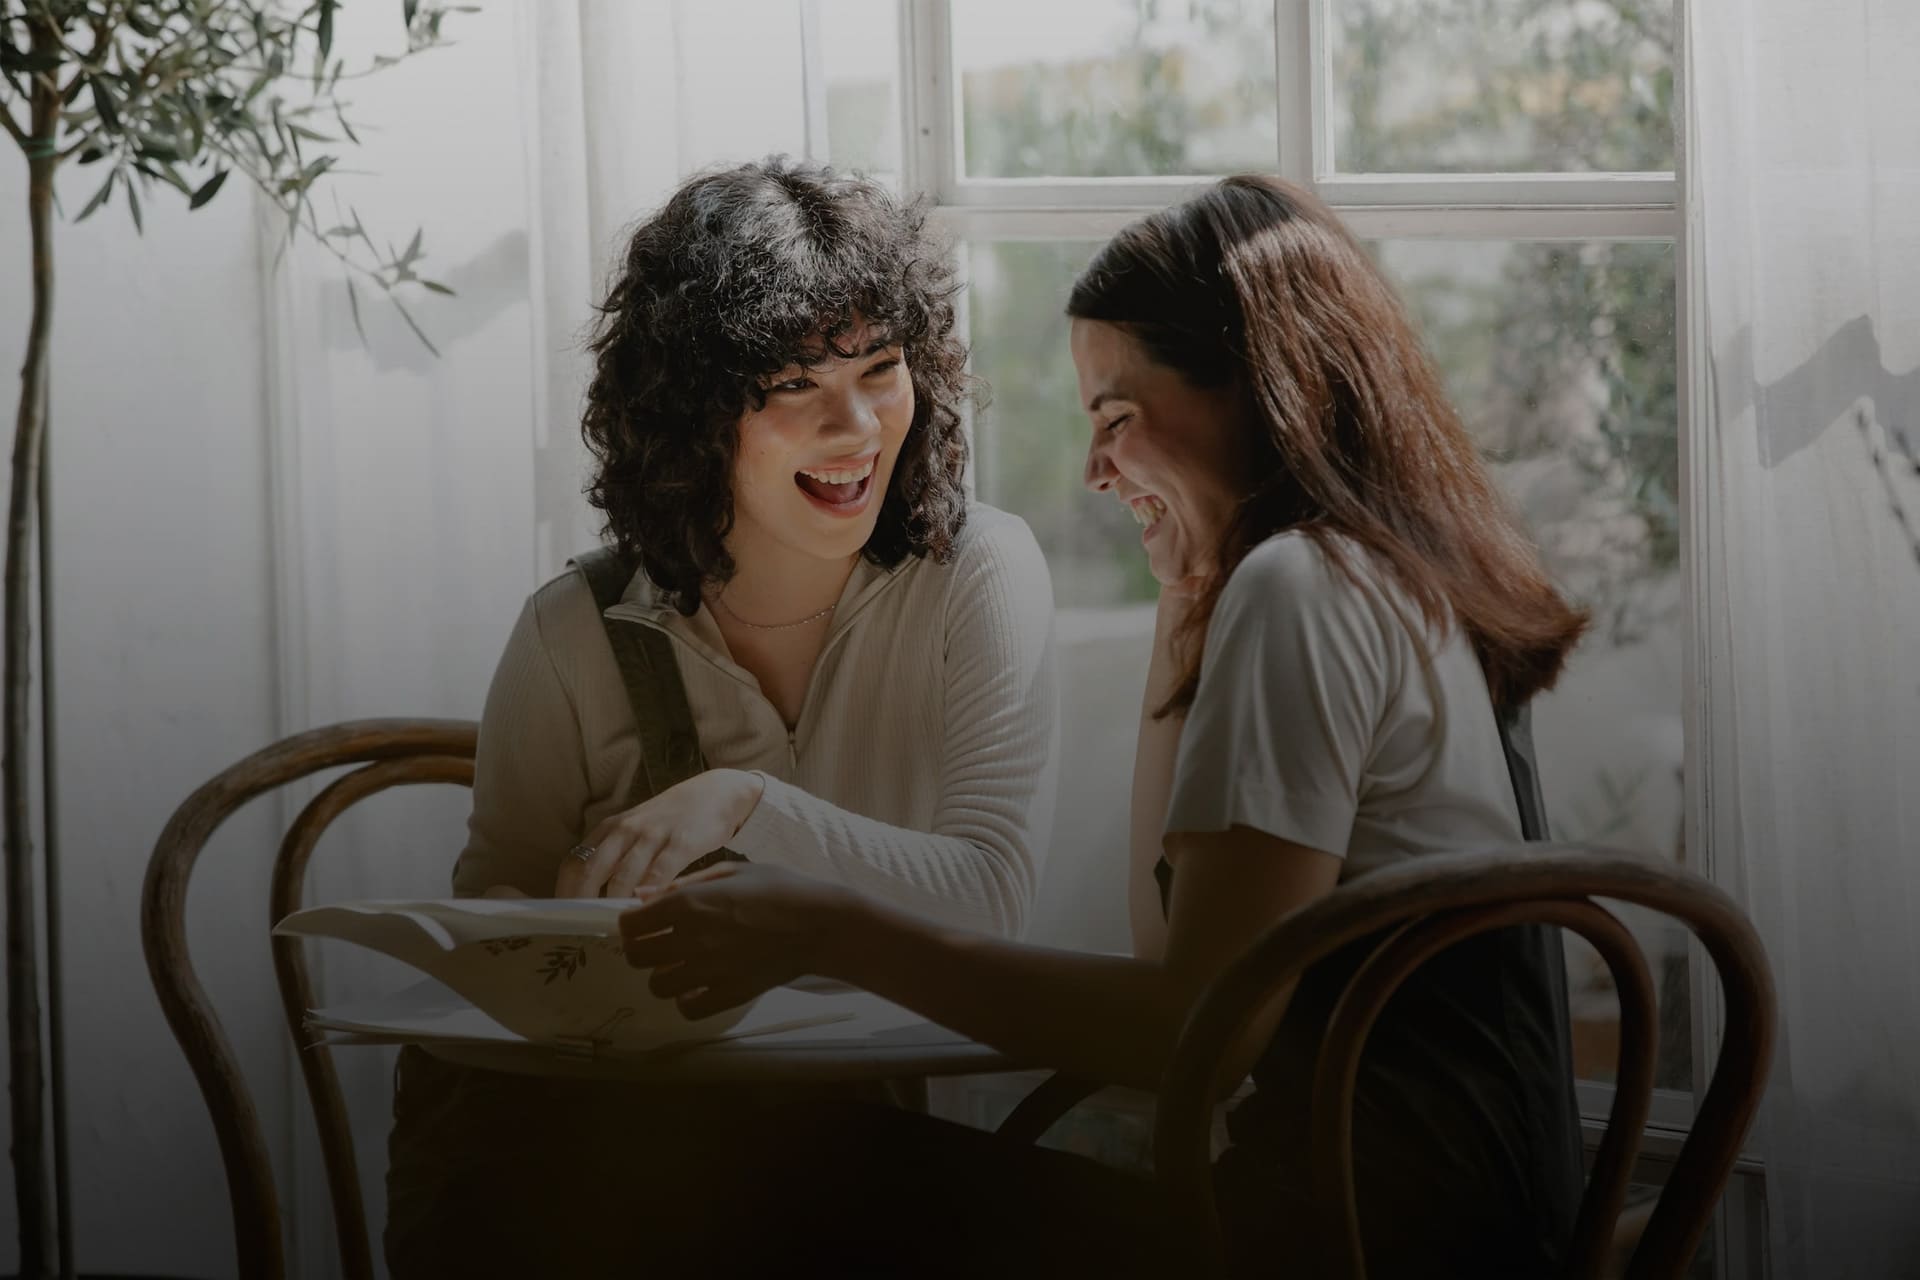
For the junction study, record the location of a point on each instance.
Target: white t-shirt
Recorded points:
(1327, 715)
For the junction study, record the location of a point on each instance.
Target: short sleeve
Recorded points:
(1296, 672)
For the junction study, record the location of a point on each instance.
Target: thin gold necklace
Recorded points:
(720, 598)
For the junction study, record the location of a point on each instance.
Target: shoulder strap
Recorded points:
(669, 744)
(662, 719)
(1516, 745)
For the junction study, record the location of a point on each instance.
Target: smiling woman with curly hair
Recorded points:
(796, 580)
(740, 275)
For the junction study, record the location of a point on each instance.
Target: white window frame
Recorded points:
(1526, 206)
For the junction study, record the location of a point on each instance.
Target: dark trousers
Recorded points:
(498, 1175)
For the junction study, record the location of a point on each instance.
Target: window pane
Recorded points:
(1115, 88)
(859, 61)
(1501, 86)
(1030, 440)
(1561, 358)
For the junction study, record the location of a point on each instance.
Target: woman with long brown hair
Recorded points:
(1347, 611)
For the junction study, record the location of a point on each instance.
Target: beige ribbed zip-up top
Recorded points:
(921, 769)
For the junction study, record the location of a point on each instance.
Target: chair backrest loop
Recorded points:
(398, 752)
(1337, 1070)
(1461, 892)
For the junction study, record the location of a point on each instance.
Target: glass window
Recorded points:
(1501, 86)
(1030, 437)
(1561, 358)
(1114, 88)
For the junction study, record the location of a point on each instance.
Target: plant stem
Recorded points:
(31, 1173)
(31, 1176)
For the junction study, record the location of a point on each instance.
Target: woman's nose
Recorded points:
(1100, 474)
(851, 414)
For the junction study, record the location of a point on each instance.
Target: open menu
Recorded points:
(543, 972)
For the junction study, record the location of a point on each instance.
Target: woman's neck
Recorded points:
(774, 585)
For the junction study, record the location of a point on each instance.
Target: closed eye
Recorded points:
(1119, 422)
(791, 384)
(884, 366)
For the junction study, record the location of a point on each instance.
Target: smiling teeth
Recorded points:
(1147, 510)
(841, 477)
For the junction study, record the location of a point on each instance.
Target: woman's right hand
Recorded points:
(659, 838)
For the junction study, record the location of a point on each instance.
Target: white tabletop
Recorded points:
(801, 1056)
(812, 1032)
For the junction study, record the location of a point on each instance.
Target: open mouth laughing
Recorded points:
(840, 488)
(1149, 511)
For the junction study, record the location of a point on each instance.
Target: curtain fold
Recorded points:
(1806, 175)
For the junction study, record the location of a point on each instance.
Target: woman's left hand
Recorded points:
(651, 843)
(725, 935)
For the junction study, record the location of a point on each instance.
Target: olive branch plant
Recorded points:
(155, 95)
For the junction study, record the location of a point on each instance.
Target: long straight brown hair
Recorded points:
(1255, 283)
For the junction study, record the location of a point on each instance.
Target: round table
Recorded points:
(780, 1057)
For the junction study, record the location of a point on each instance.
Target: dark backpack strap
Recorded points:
(662, 719)
(1556, 1163)
(669, 744)
(1516, 744)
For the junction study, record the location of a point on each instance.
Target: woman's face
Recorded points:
(1172, 452)
(812, 467)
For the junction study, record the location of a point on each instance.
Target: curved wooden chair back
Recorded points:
(1430, 904)
(391, 753)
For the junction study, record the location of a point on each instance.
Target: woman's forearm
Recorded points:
(1105, 1018)
(1155, 751)
(982, 874)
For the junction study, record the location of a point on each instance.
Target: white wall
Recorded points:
(163, 677)
(262, 525)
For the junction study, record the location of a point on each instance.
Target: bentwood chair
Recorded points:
(391, 753)
(1429, 904)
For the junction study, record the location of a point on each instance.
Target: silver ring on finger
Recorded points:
(583, 852)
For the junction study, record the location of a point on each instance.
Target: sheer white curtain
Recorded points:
(1806, 170)
(621, 101)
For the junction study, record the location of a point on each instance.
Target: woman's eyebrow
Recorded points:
(824, 358)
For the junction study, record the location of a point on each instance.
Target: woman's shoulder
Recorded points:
(989, 529)
(562, 613)
(996, 569)
(991, 543)
(1304, 582)
(1298, 571)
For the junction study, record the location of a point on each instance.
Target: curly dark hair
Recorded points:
(741, 273)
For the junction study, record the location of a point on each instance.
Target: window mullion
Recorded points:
(1484, 190)
(926, 106)
(1297, 75)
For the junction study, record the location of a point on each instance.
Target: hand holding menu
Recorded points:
(522, 970)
